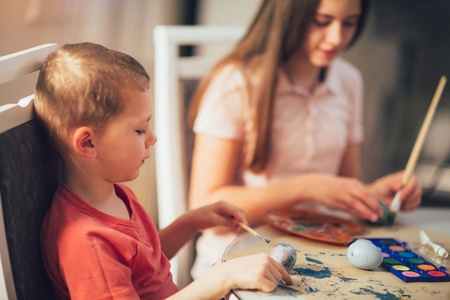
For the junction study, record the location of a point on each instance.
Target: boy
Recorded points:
(97, 241)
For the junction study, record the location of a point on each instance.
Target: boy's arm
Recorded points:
(174, 236)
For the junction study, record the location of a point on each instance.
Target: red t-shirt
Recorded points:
(91, 255)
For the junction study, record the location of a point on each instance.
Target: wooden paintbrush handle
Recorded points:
(249, 229)
(423, 131)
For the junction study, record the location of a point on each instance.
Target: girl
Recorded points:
(279, 121)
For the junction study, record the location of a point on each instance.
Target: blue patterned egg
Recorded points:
(284, 254)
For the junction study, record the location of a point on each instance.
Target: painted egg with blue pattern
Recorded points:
(284, 254)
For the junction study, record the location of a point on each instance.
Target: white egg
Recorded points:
(364, 254)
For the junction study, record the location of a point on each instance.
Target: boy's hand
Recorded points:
(257, 271)
(219, 213)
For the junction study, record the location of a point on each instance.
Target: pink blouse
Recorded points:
(310, 131)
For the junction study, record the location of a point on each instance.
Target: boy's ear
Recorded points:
(83, 142)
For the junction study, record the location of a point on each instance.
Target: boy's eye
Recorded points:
(141, 131)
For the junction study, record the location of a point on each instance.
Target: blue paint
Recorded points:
(332, 293)
(314, 260)
(319, 274)
(346, 279)
(324, 273)
(312, 290)
(403, 296)
(367, 291)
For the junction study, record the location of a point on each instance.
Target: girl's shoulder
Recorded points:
(239, 72)
(345, 78)
(344, 68)
(343, 74)
(229, 77)
(230, 71)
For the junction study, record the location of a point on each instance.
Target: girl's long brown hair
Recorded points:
(274, 35)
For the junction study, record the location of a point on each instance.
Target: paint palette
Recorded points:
(313, 225)
(406, 264)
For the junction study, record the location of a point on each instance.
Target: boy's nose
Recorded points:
(150, 139)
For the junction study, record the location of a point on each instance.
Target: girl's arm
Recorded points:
(351, 163)
(214, 165)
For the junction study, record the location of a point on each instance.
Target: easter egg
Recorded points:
(364, 254)
(387, 218)
(284, 254)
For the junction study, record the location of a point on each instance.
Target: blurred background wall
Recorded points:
(402, 54)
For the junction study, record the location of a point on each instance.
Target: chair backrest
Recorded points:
(174, 82)
(30, 171)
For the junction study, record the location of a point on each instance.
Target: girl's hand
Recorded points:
(219, 213)
(387, 186)
(348, 194)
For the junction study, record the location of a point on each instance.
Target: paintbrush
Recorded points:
(396, 203)
(253, 232)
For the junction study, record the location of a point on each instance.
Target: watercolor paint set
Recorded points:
(407, 265)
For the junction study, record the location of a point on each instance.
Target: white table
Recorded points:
(435, 221)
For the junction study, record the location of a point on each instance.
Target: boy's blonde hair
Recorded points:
(81, 85)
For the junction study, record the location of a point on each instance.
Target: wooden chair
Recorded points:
(30, 171)
(175, 81)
